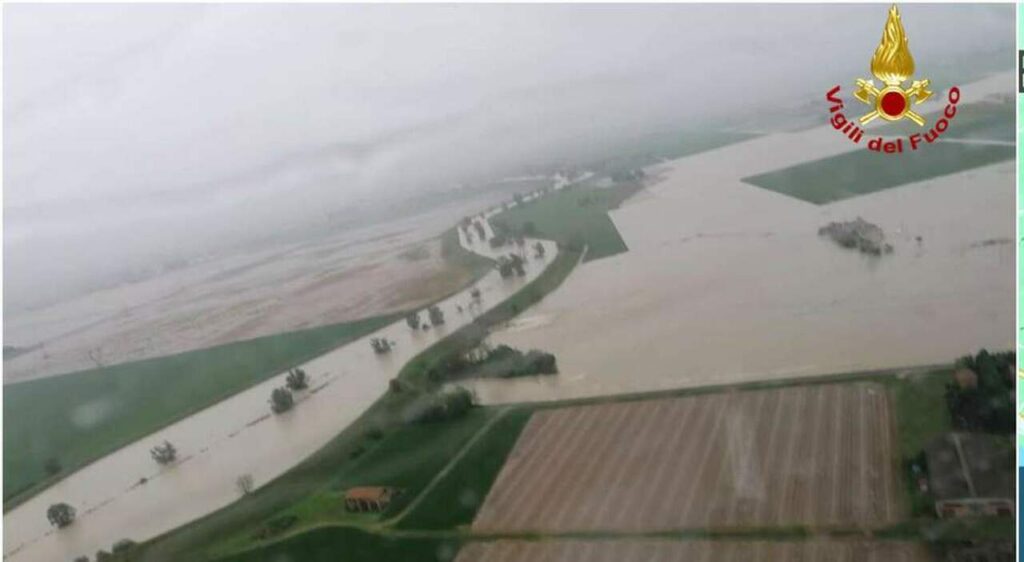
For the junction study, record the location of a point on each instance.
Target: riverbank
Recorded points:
(234, 437)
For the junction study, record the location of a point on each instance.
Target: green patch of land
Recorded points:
(332, 544)
(919, 400)
(459, 491)
(65, 422)
(861, 172)
(575, 216)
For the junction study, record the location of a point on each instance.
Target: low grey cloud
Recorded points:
(134, 133)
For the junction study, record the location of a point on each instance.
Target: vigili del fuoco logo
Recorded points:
(893, 65)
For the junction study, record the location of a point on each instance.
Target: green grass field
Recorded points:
(332, 544)
(468, 479)
(862, 171)
(79, 417)
(574, 216)
(921, 413)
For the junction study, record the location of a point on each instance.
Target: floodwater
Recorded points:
(279, 287)
(234, 437)
(727, 282)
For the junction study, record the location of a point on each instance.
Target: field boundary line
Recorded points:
(450, 466)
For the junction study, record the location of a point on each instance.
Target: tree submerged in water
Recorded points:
(60, 515)
(381, 345)
(297, 379)
(281, 400)
(436, 315)
(413, 320)
(164, 454)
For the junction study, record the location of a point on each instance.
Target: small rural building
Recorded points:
(971, 474)
(369, 498)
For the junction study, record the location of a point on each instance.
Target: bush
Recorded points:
(441, 406)
(244, 484)
(436, 315)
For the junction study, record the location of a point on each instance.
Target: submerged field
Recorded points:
(70, 420)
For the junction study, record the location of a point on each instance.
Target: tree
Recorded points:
(538, 250)
(244, 484)
(474, 293)
(436, 316)
(990, 404)
(297, 379)
(413, 320)
(60, 515)
(164, 454)
(281, 400)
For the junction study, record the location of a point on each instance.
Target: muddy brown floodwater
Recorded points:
(234, 437)
(727, 282)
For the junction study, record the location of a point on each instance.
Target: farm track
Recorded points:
(815, 455)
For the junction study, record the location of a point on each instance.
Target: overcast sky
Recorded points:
(134, 133)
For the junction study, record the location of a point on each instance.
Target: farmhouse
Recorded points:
(971, 474)
(369, 498)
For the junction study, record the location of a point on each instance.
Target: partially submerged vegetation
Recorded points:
(859, 234)
(316, 480)
(126, 402)
(575, 216)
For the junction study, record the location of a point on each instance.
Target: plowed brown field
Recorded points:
(681, 551)
(808, 455)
